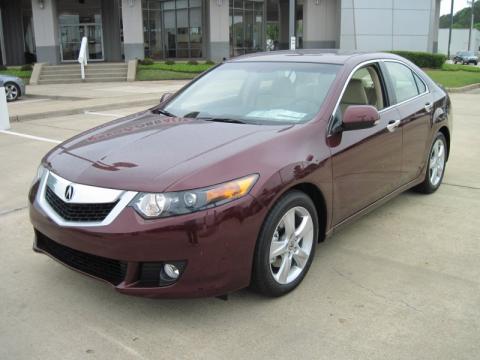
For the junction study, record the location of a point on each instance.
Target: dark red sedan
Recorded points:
(232, 181)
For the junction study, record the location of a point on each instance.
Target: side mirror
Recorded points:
(358, 117)
(165, 97)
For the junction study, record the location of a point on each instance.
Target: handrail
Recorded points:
(83, 56)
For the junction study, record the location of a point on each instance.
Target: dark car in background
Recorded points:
(233, 180)
(465, 58)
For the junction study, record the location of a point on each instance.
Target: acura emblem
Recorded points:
(69, 192)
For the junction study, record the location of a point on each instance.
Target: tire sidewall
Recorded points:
(262, 275)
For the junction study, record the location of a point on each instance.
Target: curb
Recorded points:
(43, 115)
(464, 88)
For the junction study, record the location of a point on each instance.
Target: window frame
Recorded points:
(332, 127)
(415, 75)
(388, 85)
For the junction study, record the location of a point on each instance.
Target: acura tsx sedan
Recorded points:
(232, 181)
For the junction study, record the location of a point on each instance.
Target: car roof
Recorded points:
(321, 56)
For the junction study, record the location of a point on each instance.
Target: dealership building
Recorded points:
(50, 31)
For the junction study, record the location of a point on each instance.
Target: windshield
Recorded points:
(467, 53)
(257, 92)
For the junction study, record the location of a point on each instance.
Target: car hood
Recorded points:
(5, 78)
(150, 152)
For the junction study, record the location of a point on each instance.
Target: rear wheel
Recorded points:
(436, 165)
(12, 91)
(286, 245)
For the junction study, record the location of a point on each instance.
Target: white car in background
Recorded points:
(14, 87)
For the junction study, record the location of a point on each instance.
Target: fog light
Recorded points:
(171, 271)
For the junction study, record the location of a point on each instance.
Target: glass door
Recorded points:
(94, 34)
(71, 40)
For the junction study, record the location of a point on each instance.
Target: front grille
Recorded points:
(110, 270)
(78, 212)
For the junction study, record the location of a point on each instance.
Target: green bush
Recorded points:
(170, 62)
(26, 67)
(210, 62)
(146, 61)
(423, 59)
(192, 62)
(3, 67)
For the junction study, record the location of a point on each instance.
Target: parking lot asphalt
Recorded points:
(401, 283)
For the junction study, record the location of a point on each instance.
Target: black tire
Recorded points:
(263, 280)
(15, 95)
(427, 187)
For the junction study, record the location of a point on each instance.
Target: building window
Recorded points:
(246, 26)
(173, 28)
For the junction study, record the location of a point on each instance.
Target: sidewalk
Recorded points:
(68, 99)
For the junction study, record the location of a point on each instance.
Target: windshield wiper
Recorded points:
(224, 120)
(163, 112)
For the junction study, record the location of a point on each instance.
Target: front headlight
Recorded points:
(151, 205)
(40, 172)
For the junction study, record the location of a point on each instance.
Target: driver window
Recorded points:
(364, 88)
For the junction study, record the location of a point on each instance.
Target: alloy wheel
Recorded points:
(11, 91)
(437, 162)
(291, 245)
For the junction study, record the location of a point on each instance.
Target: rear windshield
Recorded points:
(257, 92)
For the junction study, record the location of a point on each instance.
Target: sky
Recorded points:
(446, 4)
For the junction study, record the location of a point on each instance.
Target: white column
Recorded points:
(320, 24)
(132, 17)
(219, 29)
(45, 26)
(4, 118)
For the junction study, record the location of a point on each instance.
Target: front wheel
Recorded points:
(436, 165)
(286, 245)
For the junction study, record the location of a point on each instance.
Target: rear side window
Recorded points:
(420, 84)
(405, 82)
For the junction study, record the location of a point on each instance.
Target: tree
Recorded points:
(461, 19)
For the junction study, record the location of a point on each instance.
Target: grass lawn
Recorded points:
(150, 75)
(24, 75)
(177, 71)
(452, 79)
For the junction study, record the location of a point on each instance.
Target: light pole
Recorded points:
(472, 18)
(450, 30)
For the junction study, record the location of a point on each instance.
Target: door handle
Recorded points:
(392, 125)
(428, 107)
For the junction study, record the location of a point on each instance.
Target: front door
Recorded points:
(366, 163)
(71, 39)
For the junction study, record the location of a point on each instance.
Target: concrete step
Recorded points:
(94, 72)
(87, 71)
(90, 65)
(105, 73)
(91, 80)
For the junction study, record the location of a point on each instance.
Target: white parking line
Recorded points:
(101, 114)
(31, 101)
(39, 138)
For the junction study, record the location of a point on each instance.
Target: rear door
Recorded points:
(414, 103)
(366, 163)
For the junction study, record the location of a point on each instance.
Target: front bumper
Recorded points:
(215, 246)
